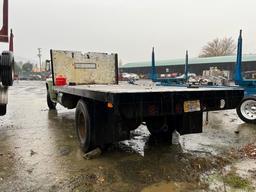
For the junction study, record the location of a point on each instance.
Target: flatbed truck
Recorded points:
(107, 110)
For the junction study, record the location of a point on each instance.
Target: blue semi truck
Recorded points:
(247, 108)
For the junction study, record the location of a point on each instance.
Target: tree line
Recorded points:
(21, 67)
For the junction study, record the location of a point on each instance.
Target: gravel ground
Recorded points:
(39, 152)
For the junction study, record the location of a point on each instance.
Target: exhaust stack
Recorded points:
(11, 42)
(4, 29)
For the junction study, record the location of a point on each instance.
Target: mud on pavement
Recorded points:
(39, 152)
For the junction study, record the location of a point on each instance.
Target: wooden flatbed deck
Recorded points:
(127, 88)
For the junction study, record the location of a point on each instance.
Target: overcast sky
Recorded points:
(129, 27)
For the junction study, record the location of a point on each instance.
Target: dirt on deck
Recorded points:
(39, 152)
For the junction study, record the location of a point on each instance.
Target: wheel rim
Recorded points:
(248, 109)
(81, 127)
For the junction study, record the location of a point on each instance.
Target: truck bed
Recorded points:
(128, 88)
(127, 93)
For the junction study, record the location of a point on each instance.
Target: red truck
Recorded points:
(6, 61)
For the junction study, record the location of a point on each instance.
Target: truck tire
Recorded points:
(50, 103)
(83, 126)
(2, 110)
(131, 124)
(7, 68)
(246, 110)
(159, 129)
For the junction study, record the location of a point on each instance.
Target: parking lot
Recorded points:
(39, 152)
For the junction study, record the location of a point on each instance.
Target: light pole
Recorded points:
(40, 59)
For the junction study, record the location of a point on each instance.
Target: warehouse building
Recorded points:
(196, 65)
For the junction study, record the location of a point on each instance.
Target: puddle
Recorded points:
(170, 187)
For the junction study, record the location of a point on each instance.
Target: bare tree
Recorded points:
(219, 47)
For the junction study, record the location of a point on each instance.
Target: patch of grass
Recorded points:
(233, 180)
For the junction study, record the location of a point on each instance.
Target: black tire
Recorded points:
(131, 124)
(245, 112)
(7, 68)
(159, 129)
(83, 126)
(2, 110)
(50, 103)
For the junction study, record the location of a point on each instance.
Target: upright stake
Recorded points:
(153, 63)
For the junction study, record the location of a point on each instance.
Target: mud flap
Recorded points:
(189, 123)
(108, 126)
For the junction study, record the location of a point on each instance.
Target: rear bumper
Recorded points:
(161, 104)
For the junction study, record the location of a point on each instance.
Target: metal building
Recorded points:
(196, 65)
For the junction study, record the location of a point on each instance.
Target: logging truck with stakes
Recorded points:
(107, 110)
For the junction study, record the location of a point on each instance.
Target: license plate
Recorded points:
(191, 106)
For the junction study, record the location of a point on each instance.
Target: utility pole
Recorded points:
(40, 58)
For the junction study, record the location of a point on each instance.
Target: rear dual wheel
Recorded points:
(159, 129)
(7, 68)
(83, 126)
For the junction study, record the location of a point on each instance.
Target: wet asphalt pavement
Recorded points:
(39, 152)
